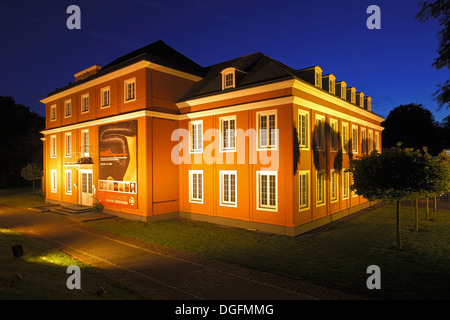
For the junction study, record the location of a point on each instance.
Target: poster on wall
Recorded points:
(117, 184)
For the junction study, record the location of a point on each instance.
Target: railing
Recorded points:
(78, 158)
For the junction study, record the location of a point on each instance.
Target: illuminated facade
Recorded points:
(249, 142)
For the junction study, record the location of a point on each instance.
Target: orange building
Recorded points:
(249, 142)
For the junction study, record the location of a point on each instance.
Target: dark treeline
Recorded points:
(415, 127)
(20, 142)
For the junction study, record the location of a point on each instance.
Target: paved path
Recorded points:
(161, 272)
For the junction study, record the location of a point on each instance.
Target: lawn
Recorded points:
(44, 274)
(336, 257)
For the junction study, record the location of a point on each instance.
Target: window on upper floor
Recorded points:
(53, 146)
(228, 133)
(266, 129)
(331, 86)
(363, 141)
(68, 144)
(130, 89)
(68, 108)
(85, 103)
(319, 132)
(303, 129)
(355, 139)
(334, 131)
(85, 142)
(105, 97)
(196, 136)
(53, 112)
(345, 137)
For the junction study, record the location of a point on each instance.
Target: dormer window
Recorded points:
(318, 77)
(331, 86)
(228, 78)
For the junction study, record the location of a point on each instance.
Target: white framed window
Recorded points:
(303, 129)
(345, 136)
(363, 141)
(68, 181)
(105, 94)
(68, 144)
(228, 186)
(53, 112)
(266, 129)
(130, 89)
(304, 187)
(334, 134)
(345, 184)
(343, 92)
(370, 141)
(53, 146)
(318, 79)
(331, 86)
(320, 188)
(267, 190)
(196, 136)
(334, 186)
(85, 103)
(85, 142)
(377, 141)
(53, 181)
(228, 133)
(196, 186)
(355, 141)
(229, 80)
(67, 108)
(319, 132)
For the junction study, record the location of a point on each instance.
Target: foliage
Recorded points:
(21, 144)
(413, 126)
(398, 174)
(31, 172)
(440, 10)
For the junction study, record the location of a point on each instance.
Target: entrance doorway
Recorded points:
(86, 198)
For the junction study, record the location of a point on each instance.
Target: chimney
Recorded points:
(87, 72)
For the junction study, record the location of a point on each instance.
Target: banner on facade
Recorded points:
(117, 184)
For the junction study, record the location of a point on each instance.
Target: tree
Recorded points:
(413, 126)
(31, 172)
(396, 174)
(440, 10)
(20, 140)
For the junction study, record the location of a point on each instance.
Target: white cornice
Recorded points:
(118, 73)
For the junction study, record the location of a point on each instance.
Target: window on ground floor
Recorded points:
(267, 190)
(196, 186)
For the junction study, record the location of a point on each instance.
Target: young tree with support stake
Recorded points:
(31, 172)
(395, 175)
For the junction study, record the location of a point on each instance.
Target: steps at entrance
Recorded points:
(74, 209)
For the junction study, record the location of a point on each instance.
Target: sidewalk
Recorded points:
(163, 273)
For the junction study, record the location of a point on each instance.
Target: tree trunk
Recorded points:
(435, 203)
(417, 213)
(33, 185)
(427, 205)
(398, 236)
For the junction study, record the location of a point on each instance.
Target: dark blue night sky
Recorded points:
(393, 65)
